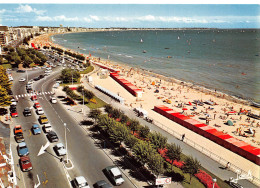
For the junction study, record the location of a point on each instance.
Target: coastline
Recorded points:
(197, 86)
(182, 92)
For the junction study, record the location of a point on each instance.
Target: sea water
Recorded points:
(227, 60)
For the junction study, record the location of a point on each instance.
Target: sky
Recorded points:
(131, 15)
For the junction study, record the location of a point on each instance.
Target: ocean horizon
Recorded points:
(226, 60)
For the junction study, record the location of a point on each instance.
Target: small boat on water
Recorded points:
(144, 51)
(169, 56)
(141, 41)
(178, 37)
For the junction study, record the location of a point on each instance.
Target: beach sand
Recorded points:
(181, 94)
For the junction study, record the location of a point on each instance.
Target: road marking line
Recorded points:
(48, 92)
(18, 95)
(30, 133)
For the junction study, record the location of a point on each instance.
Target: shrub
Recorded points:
(206, 179)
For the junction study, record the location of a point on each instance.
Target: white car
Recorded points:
(13, 102)
(53, 100)
(60, 149)
(47, 127)
(22, 80)
(31, 82)
(80, 182)
(10, 77)
(48, 71)
(39, 111)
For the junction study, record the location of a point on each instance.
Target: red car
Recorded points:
(14, 114)
(18, 129)
(25, 163)
(36, 105)
(34, 97)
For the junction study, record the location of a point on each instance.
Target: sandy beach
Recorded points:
(180, 96)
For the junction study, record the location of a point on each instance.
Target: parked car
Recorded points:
(13, 102)
(53, 100)
(47, 127)
(43, 119)
(80, 182)
(19, 137)
(36, 129)
(102, 184)
(18, 133)
(27, 112)
(34, 97)
(52, 136)
(36, 79)
(22, 80)
(39, 111)
(25, 163)
(60, 149)
(36, 105)
(114, 175)
(14, 113)
(18, 129)
(22, 149)
(3, 111)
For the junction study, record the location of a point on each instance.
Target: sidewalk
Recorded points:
(78, 115)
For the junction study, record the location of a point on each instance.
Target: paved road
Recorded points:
(42, 165)
(87, 157)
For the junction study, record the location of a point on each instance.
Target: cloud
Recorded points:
(2, 11)
(29, 9)
(95, 18)
(43, 18)
(56, 18)
(151, 18)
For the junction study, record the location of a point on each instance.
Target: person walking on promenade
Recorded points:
(183, 136)
(227, 166)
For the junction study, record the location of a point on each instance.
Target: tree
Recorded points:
(1, 60)
(4, 80)
(124, 118)
(118, 132)
(37, 61)
(155, 163)
(105, 122)
(108, 108)
(5, 99)
(27, 61)
(11, 49)
(142, 150)
(134, 125)
(17, 60)
(116, 113)
(158, 140)
(144, 131)
(191, 166)
(174, 152)
(131, 140)
(88, 94)
(94, 114)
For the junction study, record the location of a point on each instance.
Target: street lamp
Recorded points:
(65, 125)
(214, 181)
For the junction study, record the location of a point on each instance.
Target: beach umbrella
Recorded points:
(184, 109)
(207, 115)
(230, 123)
(190, 103)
